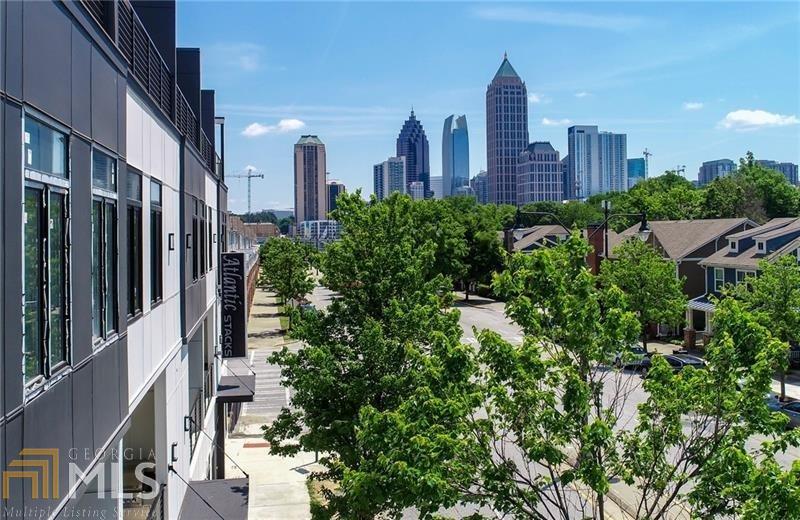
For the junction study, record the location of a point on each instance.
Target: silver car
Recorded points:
(792, 411)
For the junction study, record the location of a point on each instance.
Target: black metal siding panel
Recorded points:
(81, 233)
(13, 49)
(82, 413)
(12, 260)
(104, 101)
(207, 111)
(106, 388)
(13, 440)
(81, 82)
(122, 379)
(46, 59)
(48, 424)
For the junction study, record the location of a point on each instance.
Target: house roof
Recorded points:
(750, 257)
(679, 238)
(529, 238)
(793, 225)
(775, 223)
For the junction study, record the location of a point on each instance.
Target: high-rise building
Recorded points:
(583, 172)
(565, 175)
(786, 168)
(455, 154)
(506, 132)
(613, 162)
(436, 187)
(464, 191)
(711, 170)
(637, 171)
(413, 145)
(480, 187)
(310, 193)
(390, 176)
(417, 190)
(334, 189)
(539, 175)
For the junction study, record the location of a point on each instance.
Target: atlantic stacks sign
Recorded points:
(234, 305)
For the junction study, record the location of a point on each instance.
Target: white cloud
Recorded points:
(561, 18)
(692, 105)
(745, 120)
(582, 94)
(556, 122)
(242, 55)
(283, 126)
(536, 99)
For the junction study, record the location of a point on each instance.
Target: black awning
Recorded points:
(226, 498)
(236, 389)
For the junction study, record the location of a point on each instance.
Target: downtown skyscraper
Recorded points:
(412, 143)
(506, 132)
(310, 188)
(613, 162)
(455, 155)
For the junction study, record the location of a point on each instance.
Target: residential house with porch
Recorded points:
(733, 264)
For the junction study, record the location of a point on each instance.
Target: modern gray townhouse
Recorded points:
(115, 390)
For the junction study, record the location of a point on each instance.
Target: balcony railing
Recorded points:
(196, 415)
(157, 507)
(151, 71)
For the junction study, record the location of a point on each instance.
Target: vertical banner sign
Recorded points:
(234, 305)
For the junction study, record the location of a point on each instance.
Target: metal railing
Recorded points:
(157, 507)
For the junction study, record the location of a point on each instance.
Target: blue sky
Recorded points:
(689, 81)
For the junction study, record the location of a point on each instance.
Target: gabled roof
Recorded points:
(678, 238)
(750, 257)
(530, 238)
(775, 223)
(790, 227)
(506, 70)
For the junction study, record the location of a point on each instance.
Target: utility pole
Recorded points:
(647, 155)
(248, 174)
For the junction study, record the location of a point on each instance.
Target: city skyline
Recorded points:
(621, 81)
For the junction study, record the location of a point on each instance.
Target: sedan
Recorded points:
(636, 358)
(792, 411)
(680, 361)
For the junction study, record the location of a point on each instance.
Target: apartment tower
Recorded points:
(310, 188)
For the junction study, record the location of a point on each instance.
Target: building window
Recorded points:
(210, 245)
(193, 242)
(156, 243)
(201, 214)
(742, 276)
(734, 246)
(46, 249)
(134, 197)
(719, 279)
(761, 246)
(104, 246)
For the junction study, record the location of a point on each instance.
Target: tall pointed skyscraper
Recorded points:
(413, 145)
(506, 132)
(455, 155)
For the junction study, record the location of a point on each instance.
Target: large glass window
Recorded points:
(104, 246)
(201, 214)
(210, 245)
(194, 241)
(46, 250)
(44, 149)
(134, 185)
(719, 279)
(156, 244)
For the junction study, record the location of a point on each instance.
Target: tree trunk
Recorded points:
(783, 385)
(644, 337)
(466, 292)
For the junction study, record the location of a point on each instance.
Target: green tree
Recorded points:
(649, 281)
(484, 252)
(774, 297)
(778, 197)
(285, 269)
(389, 328)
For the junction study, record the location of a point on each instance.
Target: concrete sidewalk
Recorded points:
(277, 484)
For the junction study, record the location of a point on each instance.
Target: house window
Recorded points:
(742, 276)
(761, 246)
(104, 246)
(156, 244)
(201, 215)
(134, 243)
(734, 246)
(46, 249)
(719, 279)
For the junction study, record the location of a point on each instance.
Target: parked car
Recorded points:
(636, 358)
(680, 361)
(794, 355)
(792, 411)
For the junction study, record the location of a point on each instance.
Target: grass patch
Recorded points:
(317, 498)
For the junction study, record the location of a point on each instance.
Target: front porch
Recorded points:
(699, 315)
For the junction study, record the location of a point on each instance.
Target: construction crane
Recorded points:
(647, 155)
(680, 169)
(248, 174)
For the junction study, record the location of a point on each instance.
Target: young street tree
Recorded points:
(774, 297)
(550, 436)
(388, 327)
(285, 269)
(648, 280)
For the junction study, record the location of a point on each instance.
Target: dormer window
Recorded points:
(762, 246)
(734, 246)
